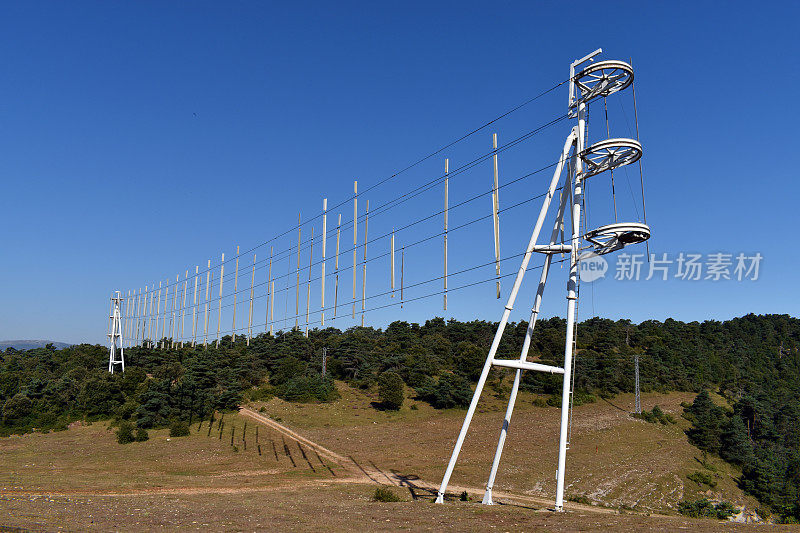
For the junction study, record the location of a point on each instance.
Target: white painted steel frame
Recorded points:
(116, 351)
(570, 142)
(572, 155)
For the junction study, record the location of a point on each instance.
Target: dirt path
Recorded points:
(366, 473)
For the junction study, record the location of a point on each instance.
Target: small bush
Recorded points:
(656, 416)
(390, 390)
(308, 388)
(178, 428)
(141, 435)
(385, 494)
(125, 432)
(464, 497)
(579, 498)
(554, 401)
(582, 397)
(703, 508)
(539, 402)
(701, 478)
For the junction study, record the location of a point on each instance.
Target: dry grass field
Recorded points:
(320, 464)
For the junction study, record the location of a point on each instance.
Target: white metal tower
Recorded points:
(595, 80)
(116, 354)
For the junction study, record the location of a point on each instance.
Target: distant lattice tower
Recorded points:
(116, 354)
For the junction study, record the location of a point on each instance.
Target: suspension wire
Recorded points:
(402, 198)
(289, 251)
(608, 136)
(641, 174)
(421, 297)
(412, 244)
(627, 176)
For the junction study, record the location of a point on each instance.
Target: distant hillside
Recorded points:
(30, 344)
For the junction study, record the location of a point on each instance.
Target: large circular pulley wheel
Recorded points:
(610, 154)
(612, 237)
(603, 78)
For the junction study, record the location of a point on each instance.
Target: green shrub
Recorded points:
(390, 390)
(385, 494)
(141, 435)
(554, 401)
(701, 478)
(703, 508)
(125, 432)
(16, 408)
(464, 497)
(178, 428)
(539, 402)
(308, 388)
(582, 397)
(656, 416)
(450, 390)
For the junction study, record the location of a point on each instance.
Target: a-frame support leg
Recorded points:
(565, 194)
(506, 313)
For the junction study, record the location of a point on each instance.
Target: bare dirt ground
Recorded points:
(320, 465)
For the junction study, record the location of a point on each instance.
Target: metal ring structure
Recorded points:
(603, 78)
(612, 237)
(610, 154)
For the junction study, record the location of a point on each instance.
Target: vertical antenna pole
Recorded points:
(392, 262)
(183, 306)
(336, 268)
(446, 192)
(139, 315)
(402, 265)
(150, 317)
(132, 327)
(235, 290)
(267, 324)
(297, 283)
(163, 317)
(364, 272)
(324, 242)
(144, 313)
(495, 215)
(194, 307)
(208, 295)
(355, 241)
(308, 287)
(124, 319)
(219, 308)
(250, 314)
(173, 325)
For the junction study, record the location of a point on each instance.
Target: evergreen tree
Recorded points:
(390, 390)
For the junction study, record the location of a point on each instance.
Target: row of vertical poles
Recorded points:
(144, 320)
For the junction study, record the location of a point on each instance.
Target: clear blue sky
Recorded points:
(141, 139)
